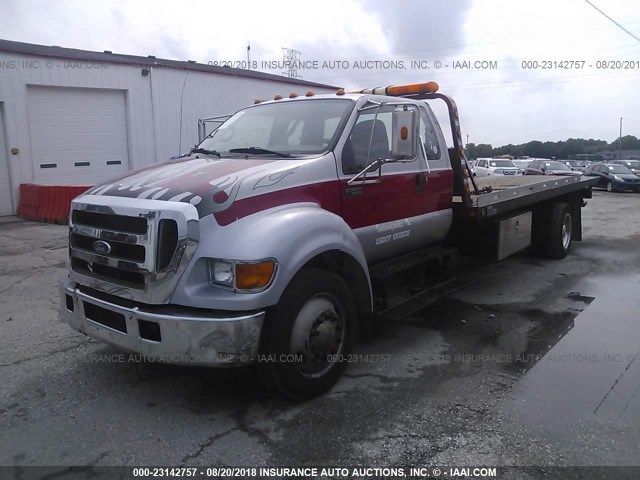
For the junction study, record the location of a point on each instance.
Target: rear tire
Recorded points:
(306, 338)
(558, 241)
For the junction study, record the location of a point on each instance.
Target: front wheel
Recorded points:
(308, 335)
(609, 187)
(559, 235)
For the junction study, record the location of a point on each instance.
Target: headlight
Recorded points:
(244, 276)
(221, 272)
(617, 178)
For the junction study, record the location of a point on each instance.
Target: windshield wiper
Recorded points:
(206, 152)
(259, 151)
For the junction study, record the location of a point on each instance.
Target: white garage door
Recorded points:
(5, 185)
(78, 135)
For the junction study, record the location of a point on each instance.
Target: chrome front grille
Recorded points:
(133, 248)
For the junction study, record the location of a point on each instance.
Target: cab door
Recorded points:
(400, 206)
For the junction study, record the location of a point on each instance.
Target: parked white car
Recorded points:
(487, 167)
(522, 163)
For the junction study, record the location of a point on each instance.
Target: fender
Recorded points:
(292, 234)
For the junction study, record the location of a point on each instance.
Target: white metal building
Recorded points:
(75, 117)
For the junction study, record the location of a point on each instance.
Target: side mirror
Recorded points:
(403, 141)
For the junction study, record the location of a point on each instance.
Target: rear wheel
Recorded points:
(559, 235)
(307, 336)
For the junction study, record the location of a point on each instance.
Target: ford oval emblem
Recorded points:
(102, 247)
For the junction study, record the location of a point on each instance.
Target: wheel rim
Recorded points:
(318, 334)
(566, 231)
(609, 187)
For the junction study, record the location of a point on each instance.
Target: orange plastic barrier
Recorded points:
(47, 203)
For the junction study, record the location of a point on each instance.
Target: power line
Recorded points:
(617, 24)
(460, 48)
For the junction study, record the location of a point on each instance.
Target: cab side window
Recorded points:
(429, 137)
(370, 139)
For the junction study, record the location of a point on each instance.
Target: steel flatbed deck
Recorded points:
(506, 194)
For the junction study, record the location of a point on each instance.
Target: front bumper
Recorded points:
(626, 187)
(171, 337)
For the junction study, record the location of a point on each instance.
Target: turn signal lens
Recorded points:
(404, 133)
(250, 276)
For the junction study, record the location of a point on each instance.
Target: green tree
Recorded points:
(481, 150)
(562, 149)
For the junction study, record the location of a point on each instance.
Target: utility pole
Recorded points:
(620, 141)
(248, 55)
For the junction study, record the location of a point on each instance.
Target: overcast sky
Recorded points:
(508, 104)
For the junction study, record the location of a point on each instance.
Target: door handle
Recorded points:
(421, 181)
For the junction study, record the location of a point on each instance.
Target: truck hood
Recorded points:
(211, 184)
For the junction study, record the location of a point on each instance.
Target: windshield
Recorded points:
(635, 165)
(618, 169)
(502, 164)
(291, 127)
(556, 166)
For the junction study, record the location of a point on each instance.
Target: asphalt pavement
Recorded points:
(535, 363)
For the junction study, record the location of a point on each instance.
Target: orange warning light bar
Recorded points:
(401, 90)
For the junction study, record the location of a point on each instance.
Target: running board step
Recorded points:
(410, 261)
(421, 300)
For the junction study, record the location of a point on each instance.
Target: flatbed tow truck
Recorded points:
(291, 227)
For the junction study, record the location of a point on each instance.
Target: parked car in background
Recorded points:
(522, 163)
(487, 167)
(472, 164)
(549, 167)
(614, 177)
(633, 165)
(575, 165)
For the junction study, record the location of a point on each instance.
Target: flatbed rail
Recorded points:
(511, 193)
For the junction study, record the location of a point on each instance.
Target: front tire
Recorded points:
(609, 187)
(558, 241)
(306, 338)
